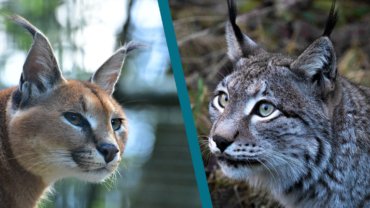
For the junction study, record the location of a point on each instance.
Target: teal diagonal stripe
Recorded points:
(185, 104)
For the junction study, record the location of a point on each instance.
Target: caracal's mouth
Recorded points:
(96, 175)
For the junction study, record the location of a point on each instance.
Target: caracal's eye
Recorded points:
(265, 109)
(74, 118)
(116, 124)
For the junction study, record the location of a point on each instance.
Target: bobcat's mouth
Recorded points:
(239, 162)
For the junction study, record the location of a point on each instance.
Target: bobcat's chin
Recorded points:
(240, 169)
(240, 160)
(236, 172)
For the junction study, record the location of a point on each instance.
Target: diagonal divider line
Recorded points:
(183, 96)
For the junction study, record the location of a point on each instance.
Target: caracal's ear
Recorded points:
(108, 74)
(238, 44)
(318, 62)
(40, 70)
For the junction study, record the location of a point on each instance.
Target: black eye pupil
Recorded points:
(73, 118)
(222, 99)
(264, 109)
(116, 124)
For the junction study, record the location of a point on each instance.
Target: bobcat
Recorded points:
(292, 126)
(52, 128)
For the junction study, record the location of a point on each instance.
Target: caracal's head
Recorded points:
(66, 128)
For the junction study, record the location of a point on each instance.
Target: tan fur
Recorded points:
(38, 145)
(14, 179)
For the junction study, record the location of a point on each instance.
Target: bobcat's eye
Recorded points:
(223, 99)
(116, 124)
(265, 109)
(74, 118)
(220, 101)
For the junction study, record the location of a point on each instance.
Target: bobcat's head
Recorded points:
(271, 115)
(66, 128)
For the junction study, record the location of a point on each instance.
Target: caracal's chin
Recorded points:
(95, 176)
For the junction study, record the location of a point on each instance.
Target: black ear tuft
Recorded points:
(238, 44)
(332, 20)
(232, 18)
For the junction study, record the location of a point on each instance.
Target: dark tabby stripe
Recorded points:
(318, 159)
(299, 183)
(291, 114)
(320, 151)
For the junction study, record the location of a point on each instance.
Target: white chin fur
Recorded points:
(240, 173)
(94, 176)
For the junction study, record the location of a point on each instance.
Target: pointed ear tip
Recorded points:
(131, 46)
(326, 40)
(25, 24)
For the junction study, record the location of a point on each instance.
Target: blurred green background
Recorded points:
(157, 169)
(283, 26)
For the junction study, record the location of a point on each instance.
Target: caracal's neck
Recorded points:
(19, 188)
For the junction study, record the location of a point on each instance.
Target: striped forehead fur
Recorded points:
(101, 96)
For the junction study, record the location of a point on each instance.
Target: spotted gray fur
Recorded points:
(315, 149)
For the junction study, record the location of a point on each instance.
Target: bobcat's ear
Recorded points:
(318, 62)
(108, 74)
(238, 44)
(40, 70)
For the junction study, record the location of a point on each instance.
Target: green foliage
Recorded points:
(39, 12)
(246, 6)
(37, 8)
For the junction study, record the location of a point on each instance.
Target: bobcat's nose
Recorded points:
(109, 151)
(221, 142)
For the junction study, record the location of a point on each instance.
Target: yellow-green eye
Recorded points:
(265, 109)
(223, 99)
(116, 123)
